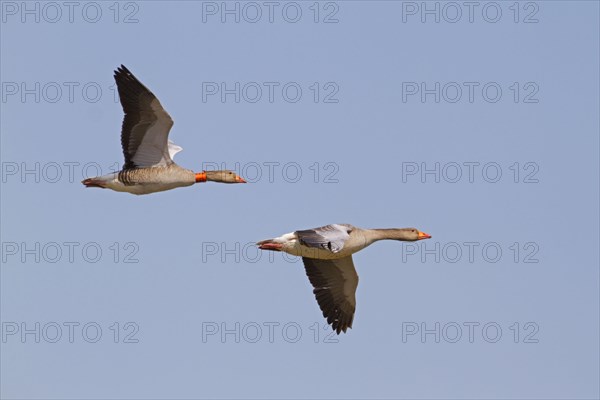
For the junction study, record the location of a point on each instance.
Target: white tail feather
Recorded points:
(174, 149)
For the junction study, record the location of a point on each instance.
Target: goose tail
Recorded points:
(94, 182)
(269, 244)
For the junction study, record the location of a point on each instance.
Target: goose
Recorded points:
(327, 256)
(149, 165)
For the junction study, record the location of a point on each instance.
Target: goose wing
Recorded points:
(328, 237)
(335, 283)
(146, 125)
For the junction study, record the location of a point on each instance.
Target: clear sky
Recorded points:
(336, 121)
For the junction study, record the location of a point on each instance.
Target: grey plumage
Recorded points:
(143, 114)
(157, 175)
(329, 237)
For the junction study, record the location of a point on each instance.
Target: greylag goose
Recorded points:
(327, 256)
(148, 152)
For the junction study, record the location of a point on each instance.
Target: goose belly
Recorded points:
(301, 250)
(147, 188)
(152, 180)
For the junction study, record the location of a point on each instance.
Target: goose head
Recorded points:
(419, 235)
(412, 235)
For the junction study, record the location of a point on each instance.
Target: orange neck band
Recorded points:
(200, 177)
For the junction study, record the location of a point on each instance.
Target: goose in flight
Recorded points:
(327, 256)
(149, 165)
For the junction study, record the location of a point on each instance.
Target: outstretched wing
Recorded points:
(328, 237)
(335, 283)
(146, 126)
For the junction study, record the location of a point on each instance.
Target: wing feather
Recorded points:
(328, 237)
(335, 282)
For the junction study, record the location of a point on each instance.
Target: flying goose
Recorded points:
(327, 256)
(149, 165)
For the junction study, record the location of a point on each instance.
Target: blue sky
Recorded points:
(336, 121)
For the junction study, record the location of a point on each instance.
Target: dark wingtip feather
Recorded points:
(122, 72)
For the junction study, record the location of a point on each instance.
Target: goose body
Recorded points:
(327, 256)
(148, 152)
(328, 242)
(146, 180)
